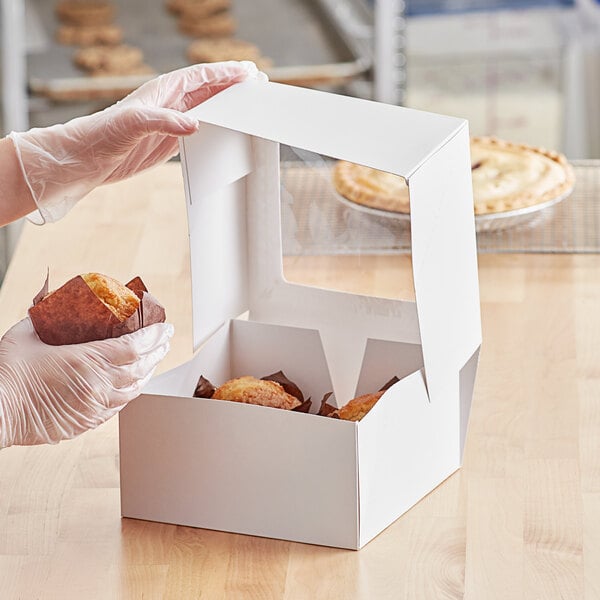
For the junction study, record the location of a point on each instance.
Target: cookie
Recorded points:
(89, 35)
(219, 25)
(112, 59)
(142, 69)
(85, 12)
(224, 49)
(197, 8)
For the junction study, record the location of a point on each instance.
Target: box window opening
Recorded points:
(344, 227)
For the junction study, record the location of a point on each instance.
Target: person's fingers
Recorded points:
(187, 87)
(151, 336)
(202, 94)
(134, 122)
(19, 331)
(124, 376)
(160, 110)
(147, 363)
(128, 348)
(164, 150)
(147, 155)
(167, 121)
(118, 398)
(201, 74)
(216, 78)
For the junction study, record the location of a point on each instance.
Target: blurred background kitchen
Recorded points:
(526, 71)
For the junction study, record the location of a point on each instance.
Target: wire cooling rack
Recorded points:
(316, 221)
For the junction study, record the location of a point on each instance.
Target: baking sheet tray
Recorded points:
(305, 46)
(316, 222)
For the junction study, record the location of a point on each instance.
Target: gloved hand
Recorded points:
(63, 163)
(53, 393)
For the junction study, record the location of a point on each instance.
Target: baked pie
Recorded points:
(506, 176)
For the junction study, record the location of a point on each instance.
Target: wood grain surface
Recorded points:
(520, 520)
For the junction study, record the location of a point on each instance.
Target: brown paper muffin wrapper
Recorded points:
(205, 389)
(73, 314)
(327, 410)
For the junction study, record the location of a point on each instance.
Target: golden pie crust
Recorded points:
(370, 187)
(506, 176)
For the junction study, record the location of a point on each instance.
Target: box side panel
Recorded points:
(467, 385)
(344, 321)
(216, 201)
(264, 222)
(204, 169)
(445, 262)
(261, 349)
(406, 448)
(385, 359)
(240, 468)
(212, 361)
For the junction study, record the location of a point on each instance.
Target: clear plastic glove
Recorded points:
(63, 163)
(53, 393)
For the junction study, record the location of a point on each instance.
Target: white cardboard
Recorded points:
(240, 468)
(228, 466)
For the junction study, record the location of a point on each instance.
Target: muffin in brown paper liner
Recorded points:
(357, 408)
(250, 390)
(275, 391)
(74, 314)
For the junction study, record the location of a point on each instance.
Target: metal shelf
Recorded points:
(316, 222)
(306, 49)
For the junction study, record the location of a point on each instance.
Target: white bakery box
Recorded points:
(268, 472)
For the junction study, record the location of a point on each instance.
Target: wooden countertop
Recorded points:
(520, 520)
